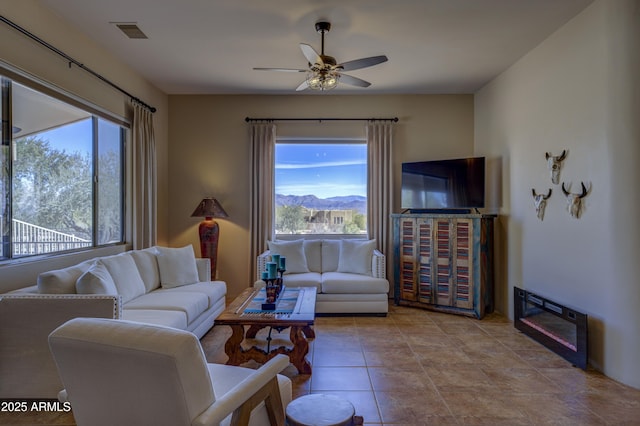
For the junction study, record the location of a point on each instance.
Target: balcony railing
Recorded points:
(29, 239)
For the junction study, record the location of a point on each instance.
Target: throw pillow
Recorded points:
(313, 253)
(125, 275)
(147, 264)
(293, 251)
(355, 256)
(330, 255)
(62, 281)
(96, 280)
(177, 266)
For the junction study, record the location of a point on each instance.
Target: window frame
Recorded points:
(280, 140)
(10, 75)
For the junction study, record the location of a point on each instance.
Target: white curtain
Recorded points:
(262, 210)
(379, 184)
(144, 209)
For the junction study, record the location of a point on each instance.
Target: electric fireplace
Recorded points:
(561, 329)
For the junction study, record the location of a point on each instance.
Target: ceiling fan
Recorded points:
(324, 72)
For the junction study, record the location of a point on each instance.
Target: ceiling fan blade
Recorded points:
(280, 69)
(311, 55)
(363, 63)
(353, 81)
(303, 86)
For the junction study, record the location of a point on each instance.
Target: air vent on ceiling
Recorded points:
(130, 29)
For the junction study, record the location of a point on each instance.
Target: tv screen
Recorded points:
(443, 184)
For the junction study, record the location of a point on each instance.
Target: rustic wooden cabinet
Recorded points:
(444, 262)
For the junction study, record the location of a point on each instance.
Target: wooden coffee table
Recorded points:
(300, 321)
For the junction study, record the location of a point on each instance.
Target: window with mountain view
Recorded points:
(321, 187)
(62, 175)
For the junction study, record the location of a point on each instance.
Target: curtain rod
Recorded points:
(249, 119)
(73, 61)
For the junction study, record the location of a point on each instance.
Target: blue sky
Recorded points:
(71, 138)
(77, 137)
(323, 170)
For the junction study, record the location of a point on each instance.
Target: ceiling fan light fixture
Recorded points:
(323, 80)
(324, 71)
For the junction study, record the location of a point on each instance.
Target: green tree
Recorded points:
(290, 219)
(357, 224)
(109, 199)
(5, 200)
(360, 221)
(351, 228)
(52, 188)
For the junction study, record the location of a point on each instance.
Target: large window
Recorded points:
(321, 187)
(62, 175)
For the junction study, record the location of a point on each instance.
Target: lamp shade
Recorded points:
(209, 207)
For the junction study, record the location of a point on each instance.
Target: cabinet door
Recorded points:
(463, 263)
(443, 246)
(424, 271)
(408, 252)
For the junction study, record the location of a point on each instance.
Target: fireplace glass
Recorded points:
(559, 328)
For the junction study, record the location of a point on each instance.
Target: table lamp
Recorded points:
(209, 230)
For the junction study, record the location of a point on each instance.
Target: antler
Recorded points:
(558, 158)
(584, 190)
(545, 197)
(582, 195)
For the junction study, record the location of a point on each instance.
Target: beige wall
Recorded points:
(577, 91)
(209, 152)
(27, 55)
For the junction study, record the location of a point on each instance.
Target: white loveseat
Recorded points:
(349, 275)
(159, 285)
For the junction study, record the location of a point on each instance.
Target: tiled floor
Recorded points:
(416, 367)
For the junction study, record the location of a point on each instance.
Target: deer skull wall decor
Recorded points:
(554, 163)
(574, 201)
(540, 201)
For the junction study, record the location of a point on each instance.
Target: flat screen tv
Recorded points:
(456, 184)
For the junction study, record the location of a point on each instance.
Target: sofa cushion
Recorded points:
(355, 256)
(308, 279)
(293, 251)
(330, 255)
(177, 266)
(147, 264)
(96, 280)
(125, 275)
(342, 282)
(192, 304)
(213, 290)
(313, 253)
(62, 281)
(175, 319)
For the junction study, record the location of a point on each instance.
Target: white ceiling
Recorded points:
(211, 46)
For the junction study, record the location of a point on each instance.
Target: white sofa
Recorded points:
(349, 275)
(158, 285)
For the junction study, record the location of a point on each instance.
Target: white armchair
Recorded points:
(121, 372)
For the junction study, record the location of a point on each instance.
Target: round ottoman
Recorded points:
(321, 410)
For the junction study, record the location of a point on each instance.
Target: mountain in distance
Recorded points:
(346, 202)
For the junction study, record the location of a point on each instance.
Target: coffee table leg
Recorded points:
(233, 347)
(309, 332)
(300, 350)
(253, 330)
